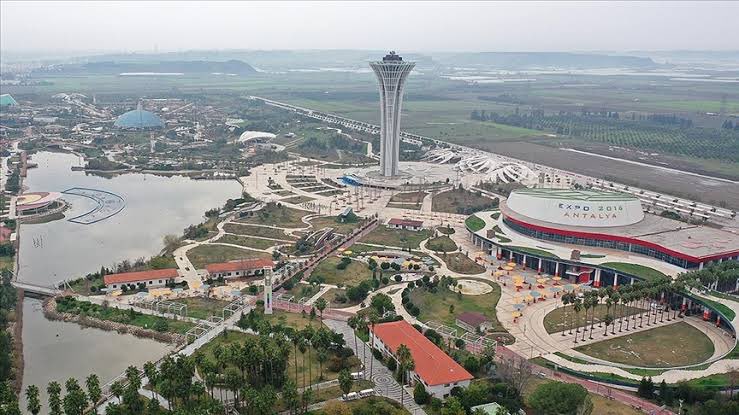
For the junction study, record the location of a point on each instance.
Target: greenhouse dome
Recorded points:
(139, 119)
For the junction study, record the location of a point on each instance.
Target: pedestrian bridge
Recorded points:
(41, 290)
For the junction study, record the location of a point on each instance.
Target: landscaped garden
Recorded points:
(459, 262)
(462, 201)
(202, 255)
(274, 214)
(553, 322)
(332, 222)
(382, 235)
(261, 231)
(441, 244)
(443, 304)
(203, 307)
(330, 271)
(677, 344)
(474, 223)
(248, 242)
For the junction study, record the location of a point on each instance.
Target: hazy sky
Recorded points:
(420, 26)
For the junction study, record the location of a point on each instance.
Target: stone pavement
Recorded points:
(385, 383)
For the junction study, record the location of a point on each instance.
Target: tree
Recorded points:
(405, 364)
(382, 303)
(555, 398)
(608, 321)
(75, 400)
(321, 305)
(54, 391)
(117, 390)
(92, 383)
(32, 397)
(374, 318)
(345, 381)
(420, 395)
(516, 372)
(290, 396)
(646, 388)
(665, 394)
(150, 371)
(452, 407)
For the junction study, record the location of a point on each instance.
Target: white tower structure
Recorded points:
(391, 74)
(267, 290)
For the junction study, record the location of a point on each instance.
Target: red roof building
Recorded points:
(435, 369)
(240, 268)
(409, 224)
(151, 278)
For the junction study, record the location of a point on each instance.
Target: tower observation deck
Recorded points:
(391, 73)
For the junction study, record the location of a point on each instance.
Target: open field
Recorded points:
(383, 235)
(553, 320)
(601, 405)
(353, 274)
(436, 306)
(274, 215)
(241, 229)
(677, 344)
(202, 255)
(459, 262)
(294, 320)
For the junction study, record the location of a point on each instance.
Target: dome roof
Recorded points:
(139, 118)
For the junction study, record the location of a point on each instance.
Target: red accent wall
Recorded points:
(623, 239)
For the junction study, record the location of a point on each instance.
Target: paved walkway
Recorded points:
(385, 383)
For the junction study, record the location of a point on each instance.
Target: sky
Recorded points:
(416, 25)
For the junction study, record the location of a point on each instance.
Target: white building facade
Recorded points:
(391, 73)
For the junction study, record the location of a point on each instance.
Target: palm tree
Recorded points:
(404, 357)
(602, 293)
(354, 324)
(34, 404)
(577, 308)
(608, 320)
(593, 305)
(150, 371)
(321, 356)
(303, 347)
(565, 302)
(54, 390)
(117, 390)
(92, 383)
(374, 318)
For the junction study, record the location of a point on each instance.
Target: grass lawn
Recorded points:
(677, 344)
(445, 230)
(331, 222)
(726, 311)
(461, 201)
(296, 200)
(202, 307)
(441, 244)
(459, 262)
(474, 223)
(274, 215)
(553, 320)
(635, 269)
(246, 241)
(208, 254)
(534, 251)
(330, 296)
(435, 306)
(239, 229)
(308, 367)
(353, 274)
(293, 320)
(409, 197)
(382, 235)
(6, 263)
(299, 291)
(134, 318)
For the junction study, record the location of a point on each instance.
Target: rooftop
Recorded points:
(433, 365)
(571, 194)
(693, 242)
(131, 277)
(392, 57)
(406, 222)
(239, 265)
(139, 118)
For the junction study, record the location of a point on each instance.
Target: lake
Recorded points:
(49, 252)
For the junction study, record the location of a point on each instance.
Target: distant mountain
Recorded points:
(527, 60)
(187, 67)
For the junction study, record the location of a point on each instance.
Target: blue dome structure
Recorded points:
(139, 119)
